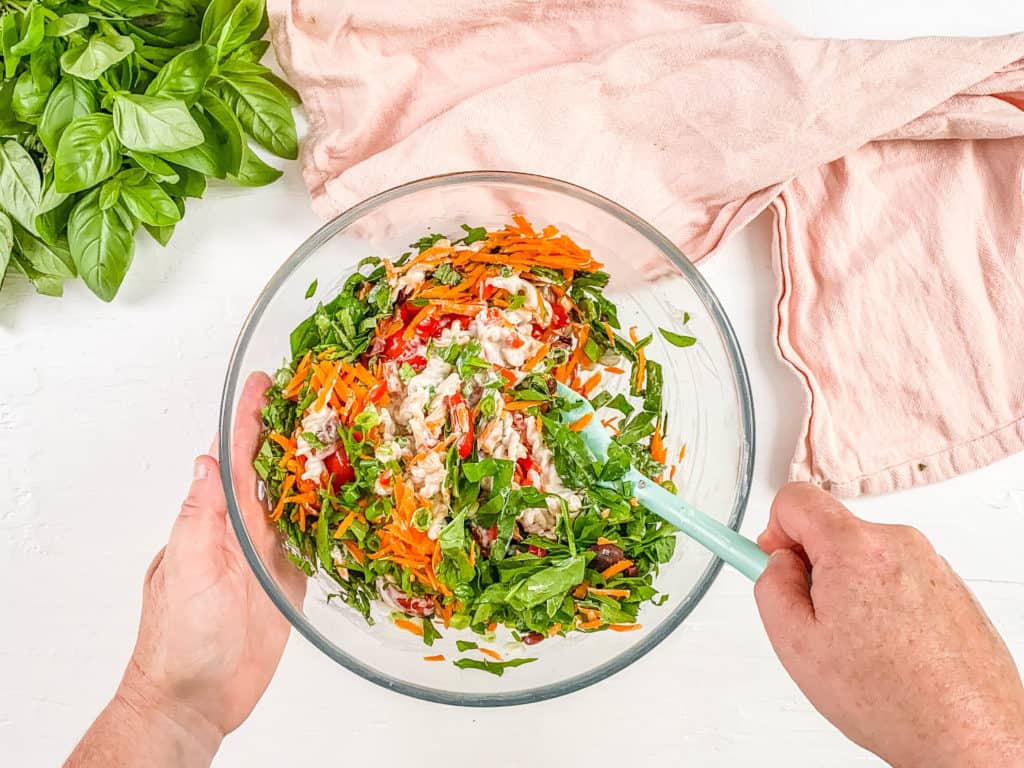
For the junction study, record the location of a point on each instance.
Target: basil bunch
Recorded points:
(113, 112)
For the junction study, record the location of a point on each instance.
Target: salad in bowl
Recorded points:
(414, 455)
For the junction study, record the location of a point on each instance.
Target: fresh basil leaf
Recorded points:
(110, 193)
(263, 112)
(154, 124)
(161, 234)
(28, 100)
(190, 183)
(311, 290)
(71, 98)
(207, 157)
(466, 645)
(184, 77)
(678, 339)
(164, 32)
(127, 8)
(10, 125)
(150, 204)
(233, 148)
(250, 52)
(154, 166)
(47, 285)
(66, 24)
(6, 244)
(33, 32)
(9, 37)
(52, 216)
(50, 260)
(102, 244)
(494, 667)
(99, 54)
(88, 152)
(229, 23)
(20, 185)
(254, 172)
(237, 68)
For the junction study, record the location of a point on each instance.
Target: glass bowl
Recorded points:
(707, 397)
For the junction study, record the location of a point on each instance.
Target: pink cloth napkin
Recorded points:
(894, 170)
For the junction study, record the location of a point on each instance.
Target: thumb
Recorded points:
(783, 595)
(202, 519)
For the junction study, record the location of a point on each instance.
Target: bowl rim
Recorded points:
(607, 668)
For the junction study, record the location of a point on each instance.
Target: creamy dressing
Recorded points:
(324, 424)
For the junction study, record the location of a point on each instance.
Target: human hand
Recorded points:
(884, 638)
(209, 637)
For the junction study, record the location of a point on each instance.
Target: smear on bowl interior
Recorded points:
(413, 450)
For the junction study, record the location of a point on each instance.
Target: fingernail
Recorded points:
(200, 470)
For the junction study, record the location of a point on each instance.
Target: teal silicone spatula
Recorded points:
(738, 551)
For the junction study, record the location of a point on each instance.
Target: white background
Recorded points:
(102, 408)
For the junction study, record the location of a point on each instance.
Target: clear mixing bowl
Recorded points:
(707, 397)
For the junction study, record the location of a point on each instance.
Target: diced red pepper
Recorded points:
(462, 424)
(340, 468)
(538, 551)
(417, 362)
(515, 341)
(377, 391)
(559, 317)
(486, 290)
(407, 311)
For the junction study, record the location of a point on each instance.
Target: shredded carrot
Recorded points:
(625, 627)
(602, 540)
(488, 652)
(641, 368)
(301, 498)
(610, 332)
(614, 369)
(357, 553)
(507, 375)
(672, 474)
(592, 624)
(520, 405)
(409, 626)
(589, 384)
(438, 657)
(541, 353)
(349, 519)
(289, 481)
(682, 452)
(658, 452)
(581, 591)
(614, 570)
(284, 442)
(622, 593)
(419, 317)
(632, 334)
(492, 626)
(554, 629)
(581, 423)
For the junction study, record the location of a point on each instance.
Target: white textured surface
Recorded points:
(102, 408)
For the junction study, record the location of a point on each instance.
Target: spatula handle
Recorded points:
(738, 551)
